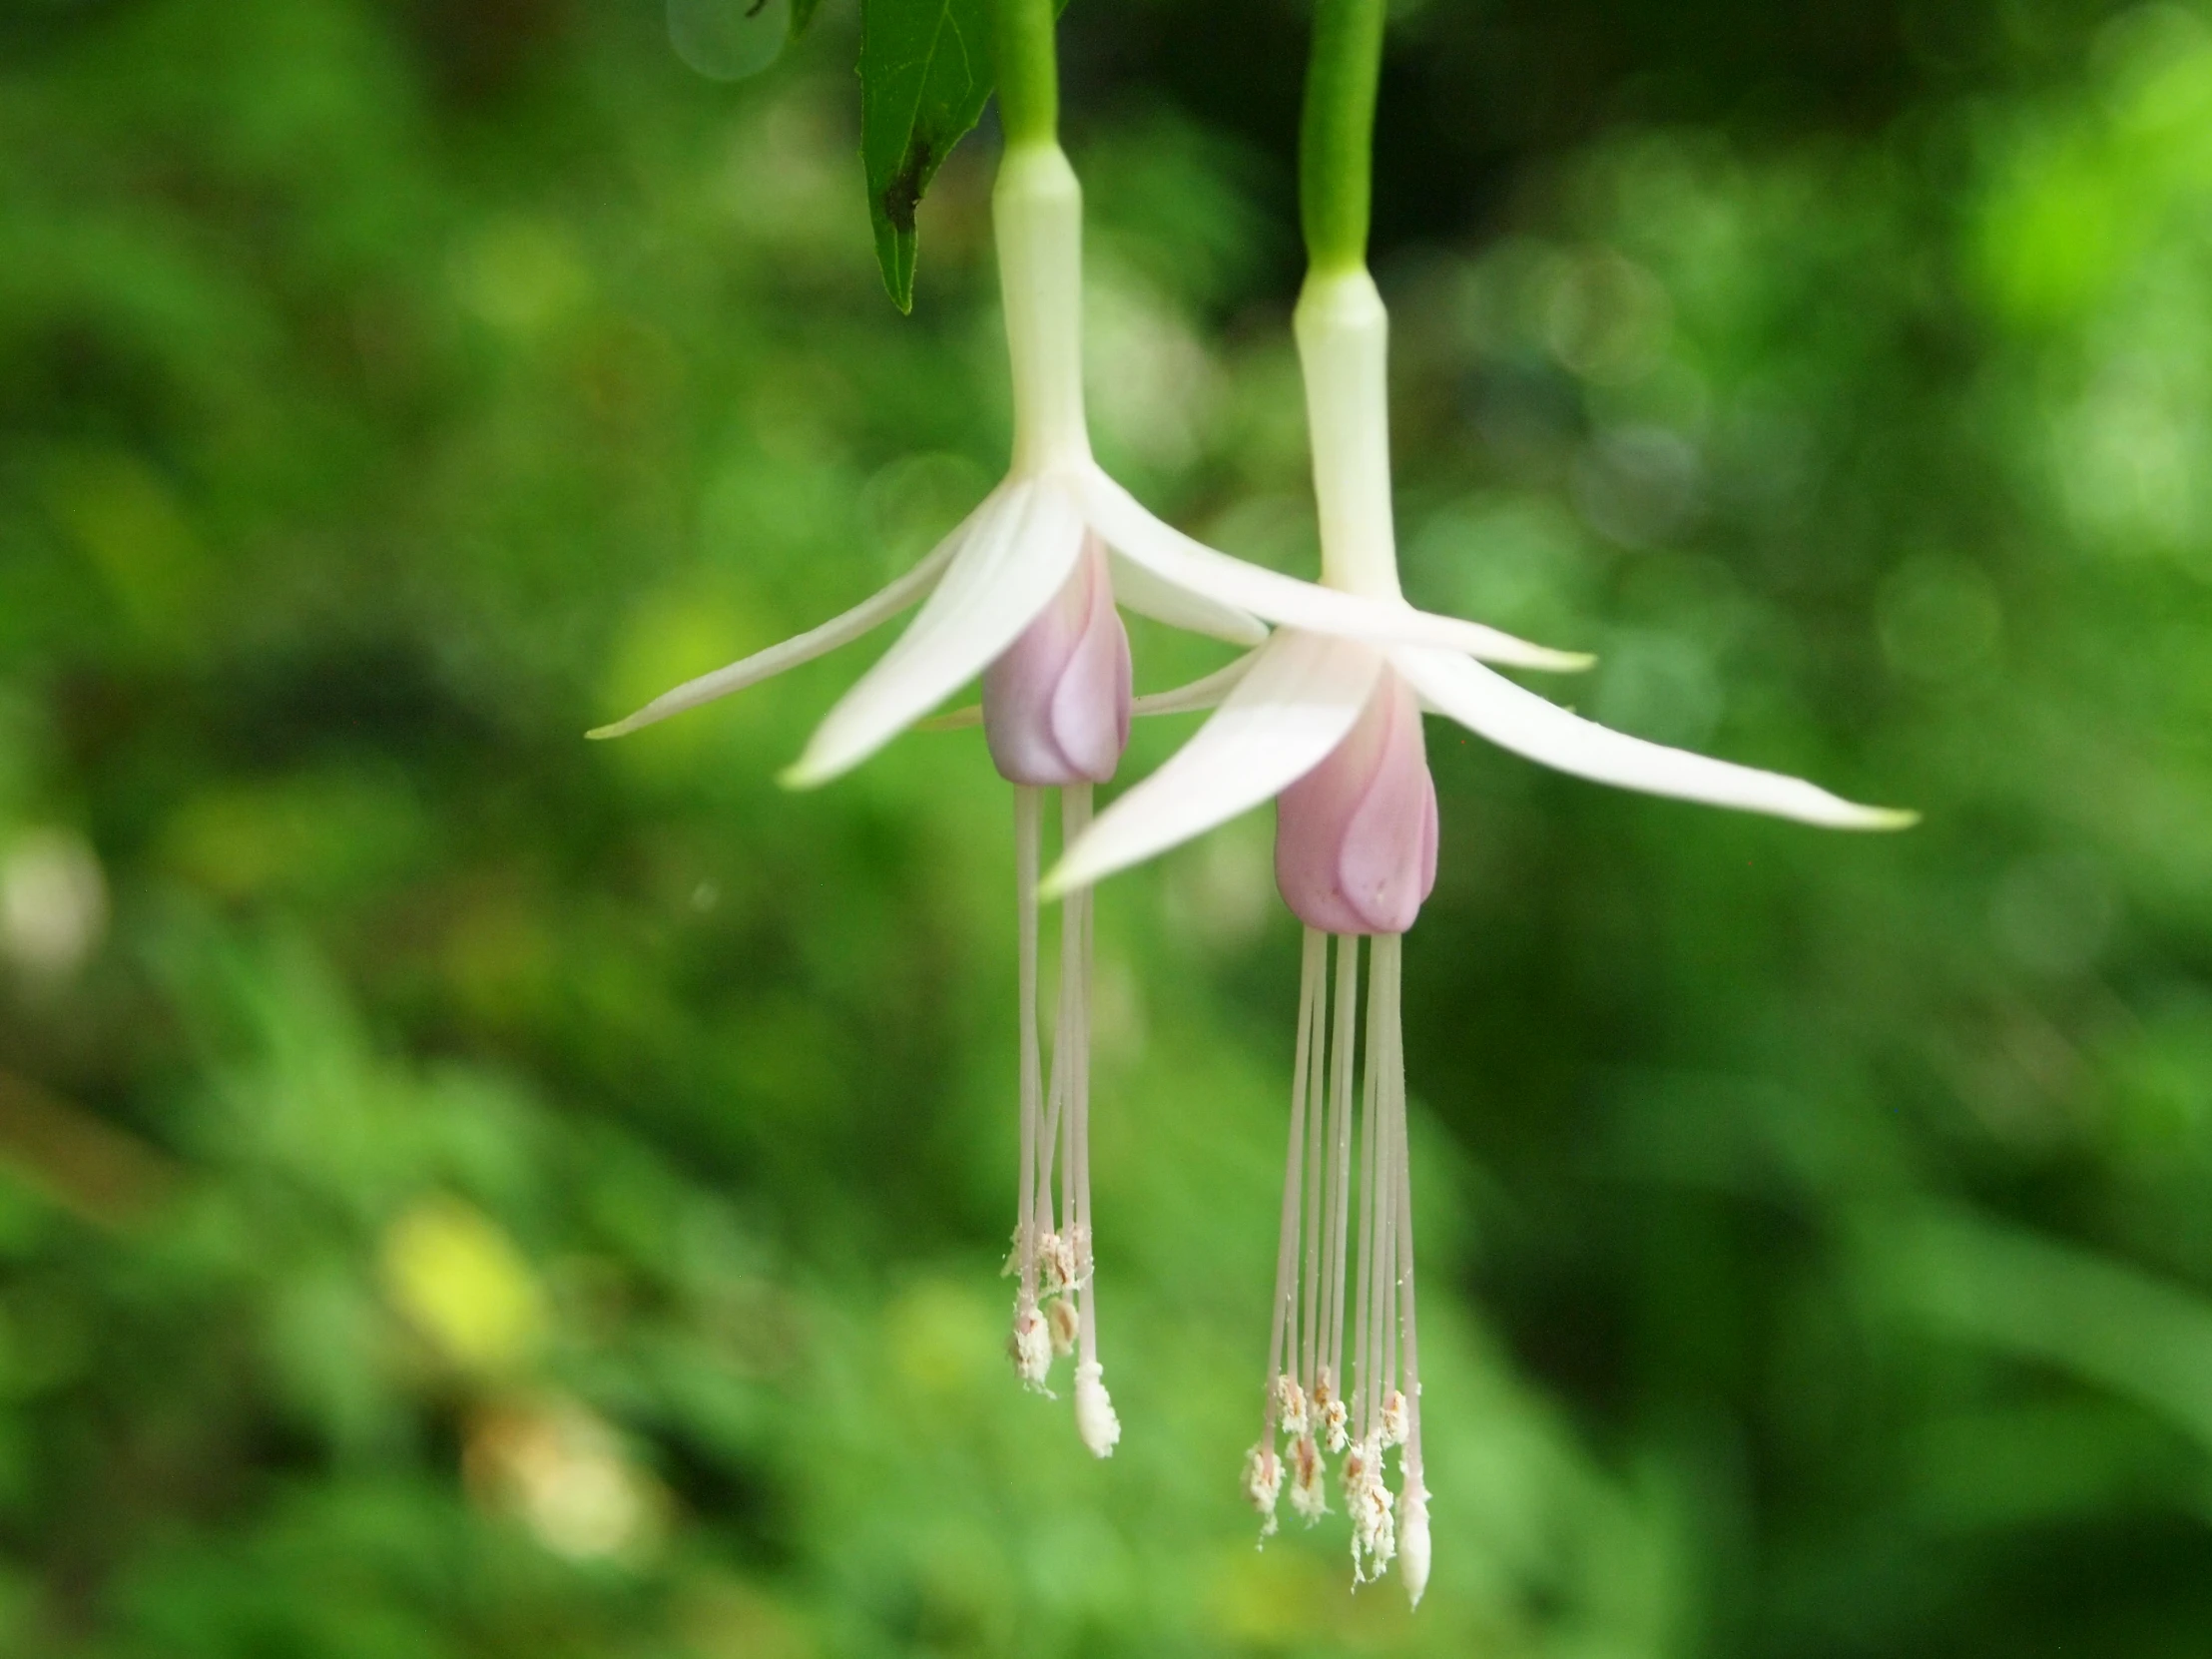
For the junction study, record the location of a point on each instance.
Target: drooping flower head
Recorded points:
(1025, 592)
(1330, 727)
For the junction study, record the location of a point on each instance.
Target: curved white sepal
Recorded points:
(1138, 589)
(1300, 695)
(1516, 719)
(1195, 568)
(878, 608)
(1006, 572)
(1208, 692)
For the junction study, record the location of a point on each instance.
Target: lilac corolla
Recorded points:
(1330, 727)
(1023, 592)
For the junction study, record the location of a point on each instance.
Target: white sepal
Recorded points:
(1011, 564)
(1518, 719)
(1137, 589)
(1300, 695)
(840, 630)
(1195, 568)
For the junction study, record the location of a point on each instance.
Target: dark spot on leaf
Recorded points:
(753, 10)
(903, 194)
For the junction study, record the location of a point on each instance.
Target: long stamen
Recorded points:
(1339, 1179)
(1286, 1402)
(1029, 1346)
(1282, 1334)
(1381, 1021)
(1314, 995)
(1387, 987)
(1363, 1328)
(1094, 1408)
(1373, 1522)
(1052, 1144)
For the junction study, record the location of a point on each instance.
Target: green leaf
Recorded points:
(925, 73)
(802, 13)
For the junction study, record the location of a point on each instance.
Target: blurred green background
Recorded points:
(464, 1192)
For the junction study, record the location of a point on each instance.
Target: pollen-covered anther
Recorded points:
(1055, 1264)
(1332, 1436)
(1094, 1411)
(1374, 1530)
(1262, 1484)
(1394, 1419)
(1307, 1497)
(1064, 1323)
(1029, 1346)
(1290, 1405)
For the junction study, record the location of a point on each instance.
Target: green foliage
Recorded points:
(465, 1192)
(925, 75)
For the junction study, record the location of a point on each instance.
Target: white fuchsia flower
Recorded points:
(1329, 726)
(1023, 593)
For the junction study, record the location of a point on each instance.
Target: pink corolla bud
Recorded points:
(1356, 838)
(1057, 702)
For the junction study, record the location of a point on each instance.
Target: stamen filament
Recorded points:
(1094, 1410)
(1339, 1160)
(1028, 811)
(1313, 1017)
(1362, 1399)
(1306, 1320)
(1282, 1337)
(1388, 961)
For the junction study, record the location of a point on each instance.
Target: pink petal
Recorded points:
(1056, 703)
(1356, 838)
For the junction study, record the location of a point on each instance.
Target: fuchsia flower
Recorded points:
(1023, 592)
(1327, 725)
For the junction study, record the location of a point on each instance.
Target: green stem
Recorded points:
(1336, 141)
(1028, 72)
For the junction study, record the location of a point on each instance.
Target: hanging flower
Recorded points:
(1329, 726)
(1025, 592)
